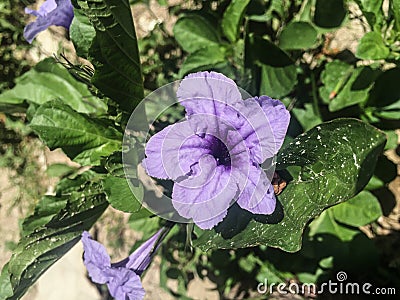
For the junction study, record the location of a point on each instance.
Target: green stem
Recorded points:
(316, 109)
(340, 84)
(189, 229)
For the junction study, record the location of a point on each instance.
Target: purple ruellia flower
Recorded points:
(52, 12)
(214, 155)
(122, 278)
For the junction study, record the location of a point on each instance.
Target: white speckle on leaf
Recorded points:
(355, 161)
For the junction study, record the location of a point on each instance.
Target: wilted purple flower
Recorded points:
(52, 12)
(122, 278)
(214, 155)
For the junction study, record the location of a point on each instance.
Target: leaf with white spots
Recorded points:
(334, 160)
(48, 242)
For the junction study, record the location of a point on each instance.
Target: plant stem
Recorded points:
(316, 109)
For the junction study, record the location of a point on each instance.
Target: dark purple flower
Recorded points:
(214, 155)
(122, 278)
(52, 12)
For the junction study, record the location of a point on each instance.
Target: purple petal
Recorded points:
(122, 278)
(258, 195)
(198, 89)
(45, 8)
(140, 259)
(154, 164)
(32, 12)
(63, 14)
(171, 152)
(262, 123)
(124, 284)
(278, 116)
(207, 194)
(33, 29)
(255, 129)
(210, 223)
(59, 13)
(95, 258)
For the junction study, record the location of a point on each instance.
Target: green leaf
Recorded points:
(277, 81)
(278, 7)
(298, 35)
(59, 170)
(392, 139)
(82, 33)
(5, 284)
(385, 172)
(142, 214)
(75, 181)
(385, 92)
(306, 116)
(163, 2)
(49, 80)
(385, 95)
(83, 139)
(306, 11)
(336, 160)
(370, 6)
(194, 32)
(326, 224)
(374, 183)
(350, 86)
(232, 18)
(270, 271)
(278, 71)
(372, 46)
(202, 59)
(372, 11)
(329, 14)
(114, 51)
(120, 196)
(255, 52)
(396, 12)
(50, 206)
(114, 166)
(334, 77)
(390, 112)
(358, 211)
(124, 191)
(45, 210)
(36, 252)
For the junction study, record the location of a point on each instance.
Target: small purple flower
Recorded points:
(52, 12)
(214, 155)
(122, 278)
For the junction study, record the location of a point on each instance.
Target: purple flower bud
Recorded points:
(122, 278)
(52, 12)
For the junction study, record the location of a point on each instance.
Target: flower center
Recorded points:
(220, 153)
